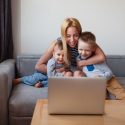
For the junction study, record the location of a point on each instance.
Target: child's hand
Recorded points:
(96, 76)
(60, 69)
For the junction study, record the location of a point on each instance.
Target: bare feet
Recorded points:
(38, 85)
(16, 81)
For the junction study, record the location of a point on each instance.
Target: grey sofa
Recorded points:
(17, 104)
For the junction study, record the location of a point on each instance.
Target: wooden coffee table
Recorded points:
(114, 115)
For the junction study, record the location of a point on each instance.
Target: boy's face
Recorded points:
(58, 55)
(85, 50)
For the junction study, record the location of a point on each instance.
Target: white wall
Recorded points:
(16, 22)
(37, 22)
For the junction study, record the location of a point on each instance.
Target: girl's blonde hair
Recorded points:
(68, 22)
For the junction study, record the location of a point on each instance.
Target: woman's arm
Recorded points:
(41, 64)
(98, 57)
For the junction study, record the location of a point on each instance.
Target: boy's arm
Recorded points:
(107, 75)
(106, 71)
(98, 57)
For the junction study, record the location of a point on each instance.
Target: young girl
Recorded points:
(56, 66)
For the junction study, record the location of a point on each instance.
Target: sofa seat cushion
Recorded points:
(23, 99)
(122, 81)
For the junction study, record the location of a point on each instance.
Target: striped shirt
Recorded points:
(74, 53)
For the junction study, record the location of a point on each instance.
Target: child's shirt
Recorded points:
(52, 65)
(100, 70)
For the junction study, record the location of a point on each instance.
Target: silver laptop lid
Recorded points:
(76, 95)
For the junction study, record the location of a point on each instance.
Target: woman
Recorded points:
(70, 32)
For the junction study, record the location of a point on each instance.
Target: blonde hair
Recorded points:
(68, 22)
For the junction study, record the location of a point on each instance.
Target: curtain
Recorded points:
(6, 41)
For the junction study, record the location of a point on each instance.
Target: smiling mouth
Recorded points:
(72, 44)
(60, 60)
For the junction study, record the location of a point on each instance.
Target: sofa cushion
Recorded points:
(25, 65)
(23, 99)
(116, 64)
(122, 81)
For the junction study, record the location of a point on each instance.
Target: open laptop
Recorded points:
(68, 95)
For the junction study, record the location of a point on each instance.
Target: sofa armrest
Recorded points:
(7, 73)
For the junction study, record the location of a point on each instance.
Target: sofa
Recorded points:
(17, 103)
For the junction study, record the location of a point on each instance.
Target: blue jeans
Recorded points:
(34, 78)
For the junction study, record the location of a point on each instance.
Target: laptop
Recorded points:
(70, 95)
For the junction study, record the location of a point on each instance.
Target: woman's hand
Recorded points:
(80, 64)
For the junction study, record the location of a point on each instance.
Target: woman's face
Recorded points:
(72, 36)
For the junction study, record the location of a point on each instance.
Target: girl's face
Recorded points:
(72, 36)
(58, 55)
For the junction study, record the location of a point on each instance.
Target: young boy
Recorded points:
(56, 65)
(86, 48)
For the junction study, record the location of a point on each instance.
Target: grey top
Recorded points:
(101, 70)
(52, 65)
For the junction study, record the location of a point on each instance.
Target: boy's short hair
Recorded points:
(89, 38)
